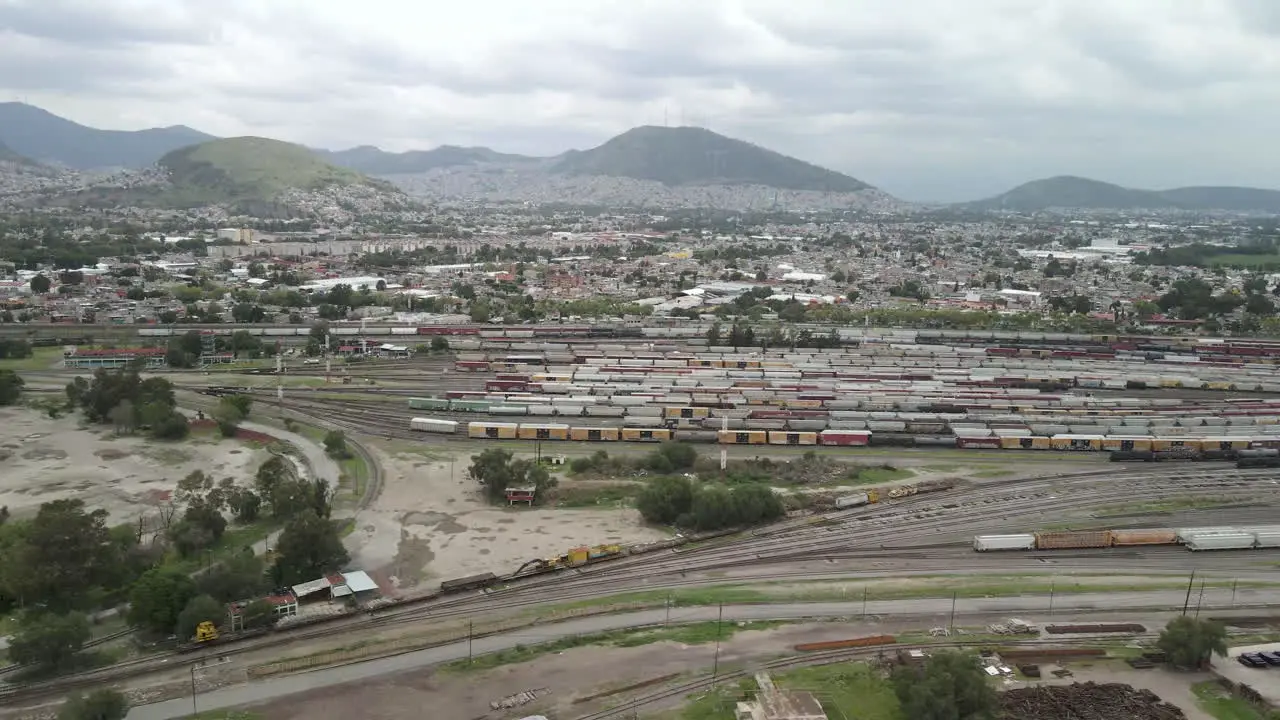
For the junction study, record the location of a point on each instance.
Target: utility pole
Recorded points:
(724, 451)
(1187, 603)
(194, 711)
(951, 627)
(715, 664)
(864, 602)
(470, 632)
(668, 604)
(1234, 583)
(1200, 599)
(1052, 586)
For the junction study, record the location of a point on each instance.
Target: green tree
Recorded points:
(158, 597)
(439, 344)
(49, 641)
(64, 555)
(240, 576)
(665, 500)
(11, 385)
(104, 704)
(1190, 642)
(335, 444)
(307, 548)
(40, 284)
(946, 686)
(200, 608)
(496, 470)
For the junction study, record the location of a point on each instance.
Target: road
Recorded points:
(258, 692)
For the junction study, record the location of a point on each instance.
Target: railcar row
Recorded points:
(558, 431)
(1017, 340)
(1199, 538)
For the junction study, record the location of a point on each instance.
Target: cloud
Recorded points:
(930, 99)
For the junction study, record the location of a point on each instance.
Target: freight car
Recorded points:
(1194, 539)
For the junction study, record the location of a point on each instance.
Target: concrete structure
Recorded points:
(775, 704)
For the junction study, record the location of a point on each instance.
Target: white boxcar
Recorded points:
(986, 543)
(433, 425)
(849, 501)
(1221, 541)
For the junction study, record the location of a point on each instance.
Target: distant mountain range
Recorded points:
(1076, 192)
(47, 138)
(674, 157)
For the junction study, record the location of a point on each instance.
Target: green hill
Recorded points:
(695, 156)
(251, 169)
(1077, 192)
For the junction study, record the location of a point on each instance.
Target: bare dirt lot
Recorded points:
(430, 524)
(1171, 686)
(566, 676)
(46, 459)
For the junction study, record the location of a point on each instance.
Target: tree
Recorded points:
(308, 547)
(496, 470)
(1190, 642)
(946, 686)
(158, 597)
(439, 344)
(665, 499)
(713, 334)
(40, 284)
(49, 641)
(335, 444)
(65, 553)
(200, 608)
(240, 576)
(11, 385)
(104, 704)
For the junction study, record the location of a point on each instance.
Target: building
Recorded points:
(524, 495)
(774, 704)
(353, 584)
(285, 604)
(77, 357)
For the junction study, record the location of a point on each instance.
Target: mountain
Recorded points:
(371, 160)
(695, 156)
(9, 156)
(252, 169)
(43, 136)
(1076, 192)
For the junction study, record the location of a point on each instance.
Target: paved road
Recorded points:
(1079, 605)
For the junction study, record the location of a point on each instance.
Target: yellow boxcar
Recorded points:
(1076, 442)
(593, 434)
(1225, 443)
(801, 404)
(743, 437)
(492, 430)
(1126, 443)
(686, 412)
(543, 432)
(645, 434)
(777, 437)
(1166, 444)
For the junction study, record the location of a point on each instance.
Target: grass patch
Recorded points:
(227, 715)
(1162, 506)
(1244, 260)
(853, 690)
(693, 634)
(883, 474)
(232, 541)
(596, 496)
(1215, 700)
(8, 623)
(918, 587)
(42, 358)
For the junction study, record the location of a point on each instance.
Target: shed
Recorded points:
(310, 590)
(352, 584)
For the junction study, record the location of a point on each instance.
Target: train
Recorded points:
(1194, 539)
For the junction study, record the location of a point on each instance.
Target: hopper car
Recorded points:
(1194, 539)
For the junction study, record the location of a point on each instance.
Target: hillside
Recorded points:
(45, 137)
(9, 156)
(695, 156)
(373, 161)
(250, 169)
(1083, 193)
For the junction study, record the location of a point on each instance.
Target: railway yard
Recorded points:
(1094, 461)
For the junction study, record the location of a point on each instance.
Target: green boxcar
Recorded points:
(470, 405)
(428, 403)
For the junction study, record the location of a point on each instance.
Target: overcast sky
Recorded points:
(927, 99)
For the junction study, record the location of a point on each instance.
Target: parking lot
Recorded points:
(1265, 680)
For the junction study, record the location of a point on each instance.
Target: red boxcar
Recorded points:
(848, 438)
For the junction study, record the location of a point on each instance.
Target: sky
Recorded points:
(930, 100)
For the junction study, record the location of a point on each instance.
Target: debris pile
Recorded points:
(1085, 701)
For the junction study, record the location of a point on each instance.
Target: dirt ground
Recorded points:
(1172, 687)
(565, 677)
(46, 459)
(429, 524)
